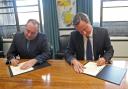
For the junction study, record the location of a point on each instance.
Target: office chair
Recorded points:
(63, 43)
(1, 48)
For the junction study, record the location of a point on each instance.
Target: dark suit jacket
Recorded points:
(38, 48)
(101, 45)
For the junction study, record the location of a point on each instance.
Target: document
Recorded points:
(109, 73)
(91, 68)
(16, 69)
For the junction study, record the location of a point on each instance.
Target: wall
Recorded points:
(65, 32)
(120, 45)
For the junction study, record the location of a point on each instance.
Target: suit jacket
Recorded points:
(38, 48)
(101, 45)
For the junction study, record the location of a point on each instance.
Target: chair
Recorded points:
(1, 47)
(63, 43)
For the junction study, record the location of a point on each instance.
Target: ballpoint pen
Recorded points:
(84, 67)
(18, 57)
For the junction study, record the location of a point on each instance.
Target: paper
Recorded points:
(91, 68)
(16, 69)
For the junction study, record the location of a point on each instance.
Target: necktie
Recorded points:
(89, 50)
(28, 42)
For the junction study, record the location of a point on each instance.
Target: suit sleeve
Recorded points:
(12, 52)
(108, 52)
(70, 51)
(45, 50)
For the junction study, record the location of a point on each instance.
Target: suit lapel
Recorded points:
(94, 42)
(81, 45)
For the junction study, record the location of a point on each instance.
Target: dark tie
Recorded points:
(28, 43)
(89, 50)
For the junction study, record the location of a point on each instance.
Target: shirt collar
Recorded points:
(91, 34)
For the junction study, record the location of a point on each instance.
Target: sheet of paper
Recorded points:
(16, 69)
(92, 69)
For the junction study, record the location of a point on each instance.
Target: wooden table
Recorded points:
(60, 75)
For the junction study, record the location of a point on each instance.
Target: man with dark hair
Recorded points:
(29, 44)
(88, 43)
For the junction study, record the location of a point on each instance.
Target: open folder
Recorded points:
(15, 70)
(109, 73)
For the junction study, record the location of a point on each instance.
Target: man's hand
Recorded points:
(101, 61)
(78, 67)
(14, 62)
(28, 64)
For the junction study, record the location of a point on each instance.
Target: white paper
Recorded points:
(16, 69)
(91, 68)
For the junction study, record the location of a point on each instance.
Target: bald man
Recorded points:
(29, 44)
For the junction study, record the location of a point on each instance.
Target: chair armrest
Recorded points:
(59, 55)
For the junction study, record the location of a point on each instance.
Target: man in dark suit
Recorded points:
(100, 49)
(29, 44)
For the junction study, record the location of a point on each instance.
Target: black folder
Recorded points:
(36, 66)
(108, 73)
(112, 74)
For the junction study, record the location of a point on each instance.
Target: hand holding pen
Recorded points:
(15, 61)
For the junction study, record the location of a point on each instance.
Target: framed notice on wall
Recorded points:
(66, 9)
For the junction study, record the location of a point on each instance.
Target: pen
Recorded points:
(84, 67)
(18, 57)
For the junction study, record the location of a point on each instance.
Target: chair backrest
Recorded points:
(1, 44)
(64, 40)
(1, 47)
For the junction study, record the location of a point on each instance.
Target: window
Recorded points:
(96, 12)
(15, 13)
(7, 18)
(111, 14)
(27, 9)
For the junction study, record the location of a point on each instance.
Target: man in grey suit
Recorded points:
(100, 49)
(29, 44)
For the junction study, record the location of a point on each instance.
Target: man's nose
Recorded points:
(29, 34)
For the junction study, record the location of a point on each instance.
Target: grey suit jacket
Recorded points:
(101, 45)
(38, 48)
